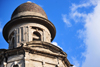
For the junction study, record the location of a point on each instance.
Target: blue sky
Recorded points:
(77, 24)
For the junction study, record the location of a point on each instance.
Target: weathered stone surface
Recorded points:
(29, 34)
(29, 7)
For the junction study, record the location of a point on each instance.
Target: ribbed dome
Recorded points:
(28, 8)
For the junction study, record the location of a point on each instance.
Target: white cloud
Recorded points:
(64, 18)
(0, 27)
(91, 32)
(75, 7)
(75, 14)
(92, 39)
(29, 1)
(76, 63)
(81, 33)
(55, 43)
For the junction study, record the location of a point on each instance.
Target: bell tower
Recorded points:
(29, 34)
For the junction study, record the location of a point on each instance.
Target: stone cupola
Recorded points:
(28, 23)
(29, 34)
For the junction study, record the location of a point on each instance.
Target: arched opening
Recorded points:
(36, 36)
(15, 65)
(56, 66)
(13, 42)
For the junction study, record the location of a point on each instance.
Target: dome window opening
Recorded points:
(36, 36)
(11, 36)
(15, 65)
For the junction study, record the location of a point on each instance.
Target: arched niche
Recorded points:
(16, 65)
(36, 36)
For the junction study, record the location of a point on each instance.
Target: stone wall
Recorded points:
(27, 32)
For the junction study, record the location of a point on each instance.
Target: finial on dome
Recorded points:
(29, 2)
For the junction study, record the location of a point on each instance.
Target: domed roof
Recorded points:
(28, 8)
